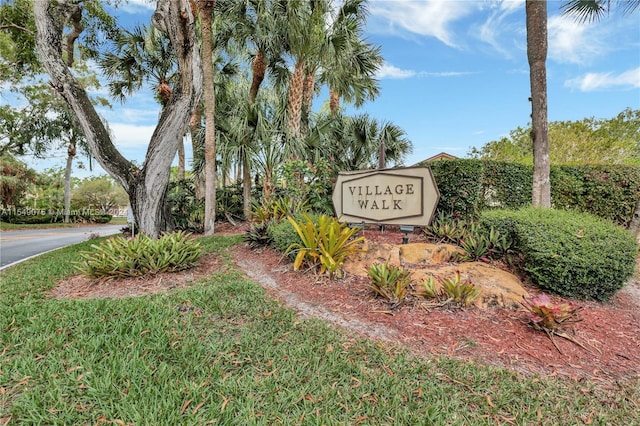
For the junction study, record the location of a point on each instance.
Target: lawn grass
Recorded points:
(223, 352)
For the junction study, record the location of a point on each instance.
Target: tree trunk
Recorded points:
(536, 16)
(246, 185)
(634, 225)
(206, 24)
(147, 186)
(259, 70)
(71, 153)
(334, 101)
(308, 90)
(181, 164)
(294, 101)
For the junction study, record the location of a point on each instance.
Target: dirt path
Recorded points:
(257, 272)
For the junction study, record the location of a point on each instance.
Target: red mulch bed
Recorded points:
(609, 331)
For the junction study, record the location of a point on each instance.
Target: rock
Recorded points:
(372, 253)
(497, 287)
(428, 254)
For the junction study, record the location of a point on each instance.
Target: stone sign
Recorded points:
(404, 196)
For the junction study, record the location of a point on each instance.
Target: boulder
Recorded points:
(498, 288)
(371, 253)
(428, 254)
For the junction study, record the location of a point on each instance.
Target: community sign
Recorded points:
(403, 196)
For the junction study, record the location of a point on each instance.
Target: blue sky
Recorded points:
(456, 73)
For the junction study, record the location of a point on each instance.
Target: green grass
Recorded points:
(223, 352)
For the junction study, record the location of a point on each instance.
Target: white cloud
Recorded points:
(392, 72)
(137, 6)
(596, 81)
(389, 71)
(426, 17)
(498, 30)
(128, 135)
(573, 42)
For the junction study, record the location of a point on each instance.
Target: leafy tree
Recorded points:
(17, 41)
(100, 194)
(15, 178)
(46, 121)
(146, 185)
(589, 141)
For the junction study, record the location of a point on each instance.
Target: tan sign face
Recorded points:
(406, 196)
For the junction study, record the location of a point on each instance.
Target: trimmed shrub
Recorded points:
(607, 191)
(468, 186)
(459, 182)
(568, 253)
(506, 185)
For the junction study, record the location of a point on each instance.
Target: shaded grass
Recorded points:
(224, 352)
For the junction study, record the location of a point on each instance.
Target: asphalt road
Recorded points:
(16, 246)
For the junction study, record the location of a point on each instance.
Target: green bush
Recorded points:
(572, 254)
(132, 257)
(459, 182)
(610, 192)
(469, 186)
(283, 235)
(506, 184)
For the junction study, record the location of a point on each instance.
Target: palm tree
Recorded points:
(143, 55)
(305, 22)
(205, 9)
(594, 10)
(359, 142)
(536, 16)
(254, 28)
(348, 62)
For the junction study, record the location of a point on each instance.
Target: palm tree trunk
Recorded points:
(294, 101)
(334, 101)
(246, 185)
(206, 20)
(71, 153)
(308, 90)
(259, 70)
(536, 16)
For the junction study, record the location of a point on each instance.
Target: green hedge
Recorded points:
(569, 253)
(610, 192)
(459, 182)
(46, 218)
(469, 186)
